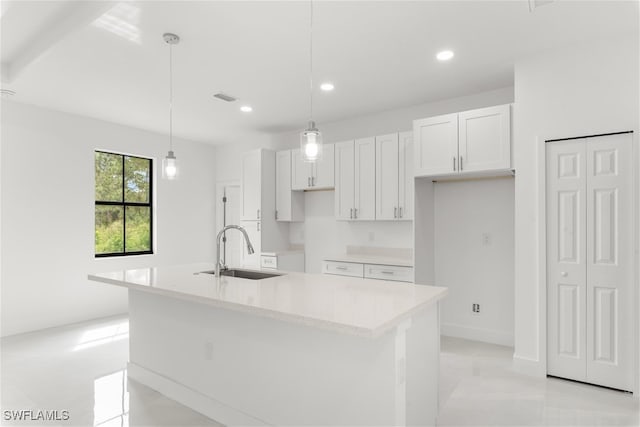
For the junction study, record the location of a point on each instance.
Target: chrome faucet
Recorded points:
(220, 265)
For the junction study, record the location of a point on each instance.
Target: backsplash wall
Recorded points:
(322, 235)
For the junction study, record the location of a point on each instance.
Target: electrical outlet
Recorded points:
(208, 350)
(475, 308)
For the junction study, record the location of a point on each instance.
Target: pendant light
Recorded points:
(311, 138)
(170, 163)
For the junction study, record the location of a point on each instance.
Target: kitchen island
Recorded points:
(294, 349)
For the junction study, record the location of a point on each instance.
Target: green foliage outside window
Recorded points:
(123, 204)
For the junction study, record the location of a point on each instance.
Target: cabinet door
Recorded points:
(344, 180)
(255, 236)
(323, 170)
(436, 145)
(300, 172)
(405, 176)
(250, 185)
(485, 139)
(365, 179)
(387, 177)
(283, 185)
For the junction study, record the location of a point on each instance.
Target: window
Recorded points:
(123, 205)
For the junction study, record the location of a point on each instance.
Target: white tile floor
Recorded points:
(80, 368)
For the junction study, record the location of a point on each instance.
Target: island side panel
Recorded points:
(275, 371)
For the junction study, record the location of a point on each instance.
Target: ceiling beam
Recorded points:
(78, 15)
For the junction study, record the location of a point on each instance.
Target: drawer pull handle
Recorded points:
(395, 212)
(341, 267)
(387, 272)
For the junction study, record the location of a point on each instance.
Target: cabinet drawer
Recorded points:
(388, 272)
(267, 261)
(343, 268)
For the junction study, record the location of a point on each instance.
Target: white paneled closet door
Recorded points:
(610, 261)
(589, 260)
(566, 264)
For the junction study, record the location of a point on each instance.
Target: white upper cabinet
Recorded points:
(344, 180)
(323, 170)
(394, 176)
(365, 179)
(484, 139)
(406, 175)
(463, 143)
(355, 196)
(436, 145)
(387, 177)
(251, 185)
(313, 176)
(289, 204)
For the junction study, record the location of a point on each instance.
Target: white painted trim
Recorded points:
(193, 399)
(527, 366)
(541, 160)
(477, 334)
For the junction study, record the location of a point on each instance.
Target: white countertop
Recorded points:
(350, 305)
(371, 259)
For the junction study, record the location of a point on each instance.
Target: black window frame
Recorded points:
(124, 205)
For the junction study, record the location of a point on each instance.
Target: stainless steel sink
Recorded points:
(243, 274)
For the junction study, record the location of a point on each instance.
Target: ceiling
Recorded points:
(108, 60)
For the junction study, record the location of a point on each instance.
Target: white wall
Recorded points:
(476, 271)
(580, 90)
(47, 177)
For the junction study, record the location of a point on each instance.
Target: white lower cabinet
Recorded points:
(369, 271)
(388, 272)
(343, 268)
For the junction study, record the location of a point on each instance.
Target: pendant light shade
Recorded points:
(170, 163)
(311, 138)
(170, 166)
(311, 143)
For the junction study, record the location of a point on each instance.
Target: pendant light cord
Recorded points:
(311, 61)
(170, 97)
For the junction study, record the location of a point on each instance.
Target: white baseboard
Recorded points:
(190, 398)
(477, 334)
(528, 366)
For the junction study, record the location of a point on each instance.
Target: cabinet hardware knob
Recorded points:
(355, 213)
(258, 214)
(461, 167)
(564, 274)
(351, 213)
(313, 181)
(454, 163)
(258, 228)
(400, 211)
(395, 212)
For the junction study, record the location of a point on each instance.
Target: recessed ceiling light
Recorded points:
(327, 87)
(445, 55)
(246, 109)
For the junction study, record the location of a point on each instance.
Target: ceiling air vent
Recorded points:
(224, 97)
